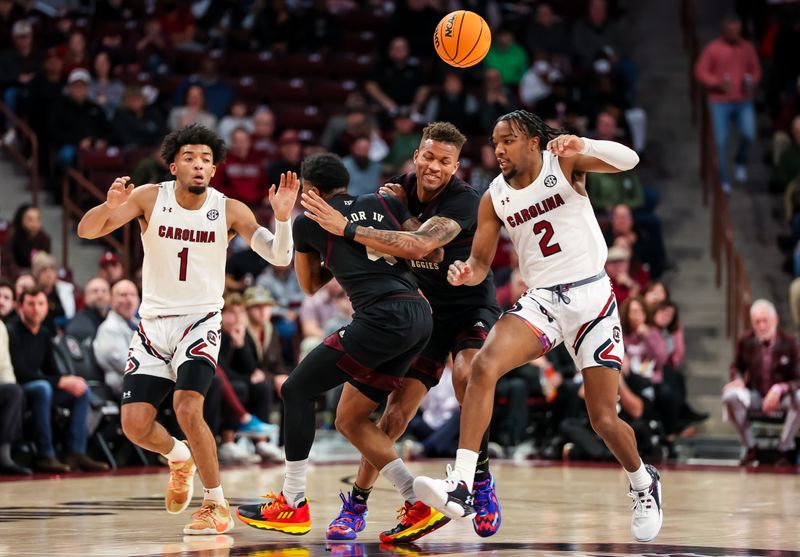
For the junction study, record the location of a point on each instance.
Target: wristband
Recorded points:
(350, 231)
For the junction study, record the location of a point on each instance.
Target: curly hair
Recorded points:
(193, 134)
(326, 171)
(444, 132)
(531, 125)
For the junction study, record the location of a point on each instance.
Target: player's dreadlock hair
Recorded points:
(193, 134)
(531, 125)
(444, 132)
(326, 171)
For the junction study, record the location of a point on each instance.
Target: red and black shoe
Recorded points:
(277, 515)
(415, 521)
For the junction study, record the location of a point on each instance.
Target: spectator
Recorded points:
(730, 70)
(23, 282)
(764, 379)
(597, 33)
(35, 369)
(18, 67)
(154, 49)
(452, 104)
(97, 298)
(365, 174)
(60, 294)
(104, 89)
(135, 124)
(77, 122)
(236, 118)
(12, 399)
(76, 54)
(535, 83)
(322, 314)
(217, 94)
(110, 267)
(497, 99)
(507, 57)
(46, 91)
(606, 190)
(486, 170)
(788, 167)
(27, 236)
(263, 131)
(282, 283)
(7, 298)
(547, 33)
(152, 169)
(241, 175)
(618, 269)
(645, 244)
(259, 303)
(291, 153)
(404, 140)
(115, 333)
(10, 13)
(400, 81)
(193, 111)
(645, 350)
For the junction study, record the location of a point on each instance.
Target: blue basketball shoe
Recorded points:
(488, 513)
(351, 520)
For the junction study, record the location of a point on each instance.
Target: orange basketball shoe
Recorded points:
(211, 518)
(415, 521)
(277, 515)
(180, 486)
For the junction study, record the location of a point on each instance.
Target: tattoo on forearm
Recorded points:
(439, 229)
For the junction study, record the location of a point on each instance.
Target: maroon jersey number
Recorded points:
(183, 255)
(544, 243)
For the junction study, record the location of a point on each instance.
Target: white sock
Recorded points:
(402, 480)
(294, 482)
(179, 453)
(466, 461)
(214, 494)
(640, 479)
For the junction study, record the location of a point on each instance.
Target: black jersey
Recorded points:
(365, 274)
(459, 201)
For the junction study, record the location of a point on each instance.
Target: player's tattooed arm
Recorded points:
(434, 233)
(412, 225)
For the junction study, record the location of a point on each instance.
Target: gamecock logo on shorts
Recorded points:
(550, 181)
(616, 333)
(213, 214)
(212, 338)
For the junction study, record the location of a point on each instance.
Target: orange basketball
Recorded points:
(462, 38)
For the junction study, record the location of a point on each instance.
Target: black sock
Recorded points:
(482, 467)
(359, 494)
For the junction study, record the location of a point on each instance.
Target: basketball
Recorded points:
(462, 38)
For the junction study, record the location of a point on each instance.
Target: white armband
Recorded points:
(275, 248)
(611, 152)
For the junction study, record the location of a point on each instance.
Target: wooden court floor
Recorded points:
(547, 510)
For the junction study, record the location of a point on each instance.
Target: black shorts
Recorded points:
(452, 333)
(381, 342)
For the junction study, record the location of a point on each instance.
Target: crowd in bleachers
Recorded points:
(279, 80)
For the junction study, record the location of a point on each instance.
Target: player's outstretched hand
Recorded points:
(284, 196)
(118, 192)
(565, 145)
(318, 210)
(395, 190)
(459, 273)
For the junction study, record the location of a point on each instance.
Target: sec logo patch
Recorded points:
(550, 180)
(213, 214)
